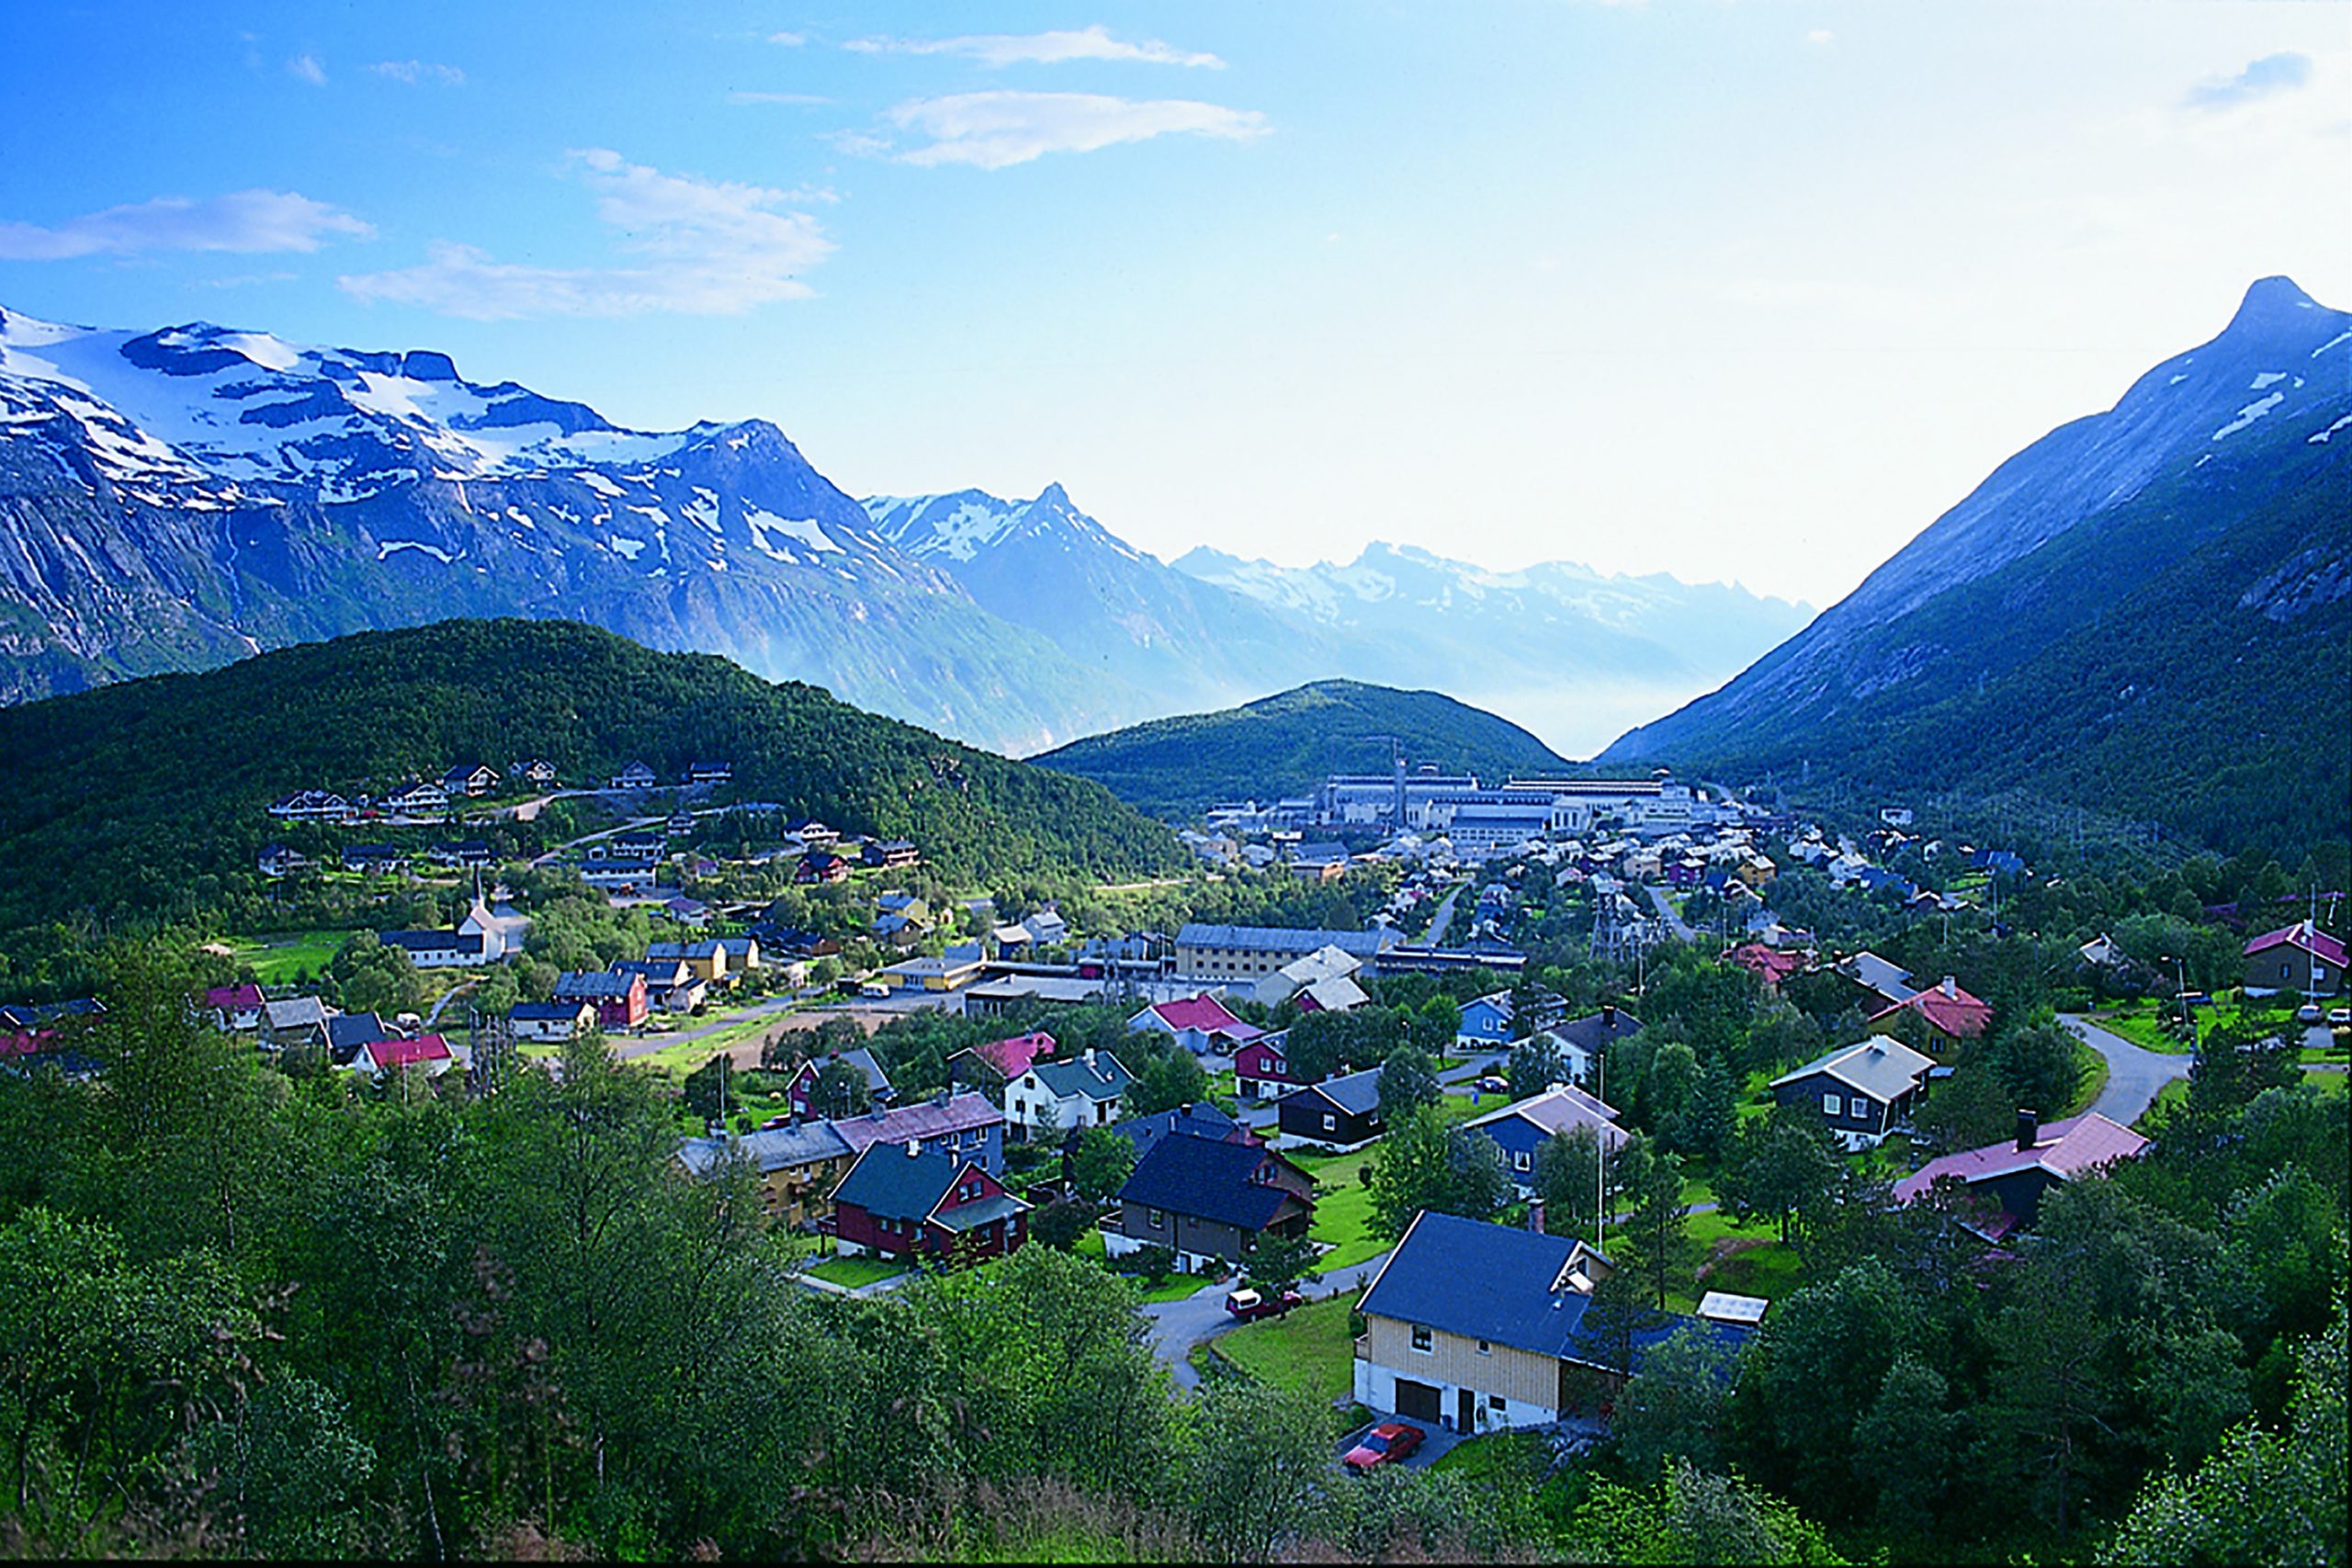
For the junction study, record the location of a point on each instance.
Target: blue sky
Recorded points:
(1737, 290)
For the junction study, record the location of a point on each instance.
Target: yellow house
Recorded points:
(800, 1165)
(706, 959)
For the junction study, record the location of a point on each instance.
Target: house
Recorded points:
(625, 876)
(1769, 965)
(637, 776)
(479, 939)
(237, 1008)
(1322, 981)
(1576, 1045)
(999, 1061)
(905, 1201)
(296, 1021)
(637, 843)
(1862, 1090)
(933, 974)
(706, 959)
(1251, 952)
(813, 833)
(1340, 1113)
(688, 912)
(349, 1033)
(1486, 1023)
(618, 998)
(280, 860)
(742, 954)
(798, 1164)
(1473, 1326)
(417, 800)
(2300, 957)
(312, 805)
(1261, 1068)
(2006, 1180)
(1211, 1202)
(670, 984)
(1877, 977)
(890, 853)
(801, 1092)
(968, 1126)
(710, 773)
(1054, 1096)
(549, 1023)
(470, 780)
(427, 1054)
(461, 852)
(1202, 1121)
(1199, 1023)
(539, 773)
(1519, 1129)
(373, 857)
(1951, 1013)
(821, 866)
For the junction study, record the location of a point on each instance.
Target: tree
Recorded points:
(1967, 1110)
(1709, 1116)
(710, 1090)
(1674, 1410)
(1568, 1176)
(1425, 1163)
(1407, 1081)
(1695, 1517)
(1815, 1368)
(1908, 1417)
(841, 1090)
(1100, 1164)
(1280, 1262)
(2037, 1063)
(1259, 1461)
(372, 977)
(1061, 1225)
(1780, 1163)
(1174, 1077)
(1654, 1238)
(1154, 1262)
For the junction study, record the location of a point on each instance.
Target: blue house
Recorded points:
(1486, 1023)
(1520, 1128)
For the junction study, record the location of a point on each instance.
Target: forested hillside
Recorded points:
(148, 797)
(1288, 743)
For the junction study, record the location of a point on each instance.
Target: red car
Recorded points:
(1387, 1443)
(1249, 1305)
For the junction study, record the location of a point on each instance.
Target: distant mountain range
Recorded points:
(176, 499)
(2146, 612)
(1289, 743)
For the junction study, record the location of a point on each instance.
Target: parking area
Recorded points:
(1435, 1441)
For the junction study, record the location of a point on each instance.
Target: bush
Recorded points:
(1155, 1262)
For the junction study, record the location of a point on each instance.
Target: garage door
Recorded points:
(1416, 1400)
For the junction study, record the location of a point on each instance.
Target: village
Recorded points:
(1396, 1167)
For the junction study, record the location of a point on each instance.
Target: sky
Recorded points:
(1739, 290)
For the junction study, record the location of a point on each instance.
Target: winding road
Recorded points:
(1178, 1325)
(2135, 1076)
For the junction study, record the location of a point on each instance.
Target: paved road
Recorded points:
(2135, 1076)
(1674, 922)
(1178, 1325)
(1435, 935)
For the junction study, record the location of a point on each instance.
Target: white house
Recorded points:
(476, 942)
(1054, 1096)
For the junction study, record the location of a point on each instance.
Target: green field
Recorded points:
(2094, 1070)
(852, 1272)
(1342, 1209)
(1309, 1351)
(280, 957)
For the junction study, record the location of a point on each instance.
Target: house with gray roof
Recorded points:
(1338, 1114)
(798, 1164)
(1201, 1121)
(1862, 1090)
(296, 1021)
(1476, 1328)
(1050, 1097)
(1210, 1200)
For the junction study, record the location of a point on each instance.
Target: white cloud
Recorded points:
(706, 247)
(307, 68)
(411, 72)
(789, 40)
(1040, 48)
(994, 131)
(245, 221)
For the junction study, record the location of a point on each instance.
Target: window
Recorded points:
(1522, 1160)
(1329, 1122)
(1484, 1348)
(1496, 1402)
(1830, 1105)
(1421, 1338)
(1156, 1217)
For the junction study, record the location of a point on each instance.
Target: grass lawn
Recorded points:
(1309, 1351)
(280, 957)
(2330, 1081)
(853, 1272)
(2172, 1094)
(1176, 1287)
(2093, 1071)
(2142, 1023)
(1342, 1209)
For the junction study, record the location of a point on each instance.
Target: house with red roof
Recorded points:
(1950, 1011)
(236, 1007)
(427, 1054)
(1769, 965)
(2006, 1180)
(1006, 1059)
(2300, 957)
(1200, 1024)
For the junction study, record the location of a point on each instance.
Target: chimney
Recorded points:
(1090, 1058)
(1185, 1112)
(1608, 1015)
(914, 1147)
(1952, 986)
(2028, 1130)
(1535, 1215)
(940, 1100)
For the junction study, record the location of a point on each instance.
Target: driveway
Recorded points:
(1674, 922)
(1435, 935)
(1436, 1442)
(1178, 1325)
(2135, 1076)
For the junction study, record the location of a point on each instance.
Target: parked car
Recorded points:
(2308, 1013)
(2339, 1017)
(1495, 1083)
(1249, 1305)
(1388, 1443)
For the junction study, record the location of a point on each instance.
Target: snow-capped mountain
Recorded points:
(2143, 613)
(172, 499)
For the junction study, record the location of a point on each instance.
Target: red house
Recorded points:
(1261, 1071)
(2300, 957)
(236, 1007)
(903, 1201)
(820, 866)
(1007, 1059)
(1769, 965)
(619, 999)
(1950, 1011)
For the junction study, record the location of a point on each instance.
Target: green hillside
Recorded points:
(1288, 743)
(149, 795)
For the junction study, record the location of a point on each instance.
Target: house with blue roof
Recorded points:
(1475, 1328)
